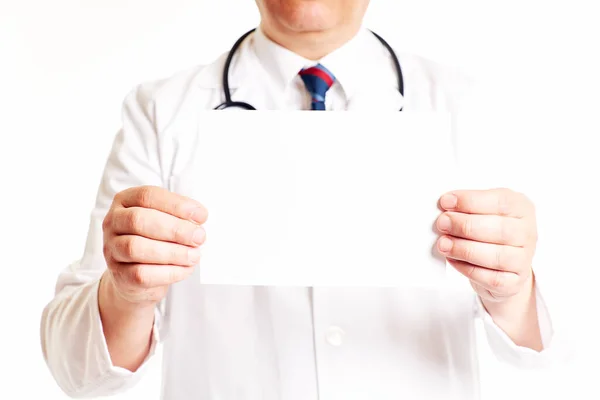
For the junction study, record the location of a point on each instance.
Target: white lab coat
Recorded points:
(272, 343)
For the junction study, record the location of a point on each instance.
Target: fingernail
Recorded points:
(199, 236)
(198, 215)
(194, 255)
(448, 201)
(444, 224)
(445, 245)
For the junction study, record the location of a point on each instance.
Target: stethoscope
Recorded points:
(240, 104)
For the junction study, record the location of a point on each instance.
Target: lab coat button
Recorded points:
(335, 336)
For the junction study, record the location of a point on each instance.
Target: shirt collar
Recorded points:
(348, 63)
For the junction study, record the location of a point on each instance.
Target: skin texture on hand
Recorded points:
(152, 239)
(127, 328)
(490, 237)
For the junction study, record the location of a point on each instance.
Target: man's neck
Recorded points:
(310, 45)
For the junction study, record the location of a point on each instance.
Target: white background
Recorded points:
(65, 66)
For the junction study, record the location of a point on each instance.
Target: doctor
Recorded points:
(130, 292)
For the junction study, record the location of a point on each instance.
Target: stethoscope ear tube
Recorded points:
(396, 63)
(228, 103)
(225, 79)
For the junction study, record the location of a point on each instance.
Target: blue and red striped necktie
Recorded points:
(317, 80)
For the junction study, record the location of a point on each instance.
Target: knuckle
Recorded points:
(471, 271)
(107, 222)
(176, 275)
(467, 252)
(504, 202)
(498, 280)
(141, 276)
(179, 208)
(466, 227)
(107, 251)
(500, 258)
(144, 195)
(180, 234)
(172, 276)
(118, 199)
(127, 247)
(134, 220)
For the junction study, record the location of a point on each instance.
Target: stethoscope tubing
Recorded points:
(229, 103)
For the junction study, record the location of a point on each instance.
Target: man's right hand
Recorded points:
(152, 238)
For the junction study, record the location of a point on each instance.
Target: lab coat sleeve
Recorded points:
(72, 338)
(504, 348)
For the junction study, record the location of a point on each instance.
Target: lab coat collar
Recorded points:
(348, 63)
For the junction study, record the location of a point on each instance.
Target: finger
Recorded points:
(484, 228)
(154, 224)
(487, 255)
(503, 202)
(138, 249)
(162, 200)
(493, 280)
(150, 276)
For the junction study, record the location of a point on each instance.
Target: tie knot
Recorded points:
(317, 80)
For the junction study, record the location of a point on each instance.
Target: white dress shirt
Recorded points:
(228, 342)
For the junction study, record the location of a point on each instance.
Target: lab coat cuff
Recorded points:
(112, 377)
(521, 357)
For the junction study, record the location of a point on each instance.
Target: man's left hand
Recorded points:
(490, 237)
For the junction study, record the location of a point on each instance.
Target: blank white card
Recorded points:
(321, 199)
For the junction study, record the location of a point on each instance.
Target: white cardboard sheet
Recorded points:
(321, 199)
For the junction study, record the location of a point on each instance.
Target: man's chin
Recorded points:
(311, 17)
